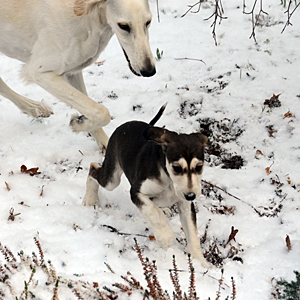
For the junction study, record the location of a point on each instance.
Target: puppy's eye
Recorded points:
(124, 27)
(198, 168)
(177, 169)
(148, 23)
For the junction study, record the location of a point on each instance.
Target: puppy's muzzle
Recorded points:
(190, 196)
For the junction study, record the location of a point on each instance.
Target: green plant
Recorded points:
(291, 289)
(159, 54)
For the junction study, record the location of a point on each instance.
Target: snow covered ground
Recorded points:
(229, 86)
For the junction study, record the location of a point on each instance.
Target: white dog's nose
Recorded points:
(148, 72)
(190, 196)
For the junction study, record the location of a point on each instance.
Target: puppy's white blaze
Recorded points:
(182, 183)
(194, 162)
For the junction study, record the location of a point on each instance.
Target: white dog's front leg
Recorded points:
(188, 220)
(95, 115)
(163, 233)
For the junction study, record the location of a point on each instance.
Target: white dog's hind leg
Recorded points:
(27, 106)
(163, 233)
(188, 220)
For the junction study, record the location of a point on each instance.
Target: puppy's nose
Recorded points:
(190, 196)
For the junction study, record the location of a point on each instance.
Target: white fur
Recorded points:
(56, 39)
(182, 184)
(163, 233)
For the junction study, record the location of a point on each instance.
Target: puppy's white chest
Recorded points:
(160, 190)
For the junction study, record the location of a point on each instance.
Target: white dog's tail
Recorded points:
(158, 115)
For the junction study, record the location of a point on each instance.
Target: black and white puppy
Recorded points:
(163, 168)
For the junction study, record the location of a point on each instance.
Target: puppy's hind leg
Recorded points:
(108, 176)
(92, 187)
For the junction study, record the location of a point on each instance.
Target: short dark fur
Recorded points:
(145, 152)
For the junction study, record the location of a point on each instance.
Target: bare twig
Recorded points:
(217, 14)
(157, 8)
(186, 58)
(192, 6)
(289, 15)
(254, 19)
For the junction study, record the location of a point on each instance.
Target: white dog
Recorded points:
(56, 39)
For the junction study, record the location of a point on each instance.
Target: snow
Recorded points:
(73, 237)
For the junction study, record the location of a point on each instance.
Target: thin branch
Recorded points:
(217, 14)
(186, 58)
(289, 15)
(157, 8)
(254, 22)
(192, 6)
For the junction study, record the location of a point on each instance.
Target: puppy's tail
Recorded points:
(158, 115)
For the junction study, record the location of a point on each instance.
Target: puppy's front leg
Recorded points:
(163, 233)
(189, 223)
(92, 187)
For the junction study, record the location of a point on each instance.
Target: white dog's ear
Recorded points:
(83, 7)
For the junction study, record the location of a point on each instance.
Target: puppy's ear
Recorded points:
(203, 139)
(83, 7)
(159, 135)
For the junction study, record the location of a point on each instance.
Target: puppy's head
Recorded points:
(184, 159)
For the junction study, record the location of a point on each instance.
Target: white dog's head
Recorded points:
(129, 20)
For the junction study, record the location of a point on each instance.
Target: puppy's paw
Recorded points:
(91, 200)
(165, 237)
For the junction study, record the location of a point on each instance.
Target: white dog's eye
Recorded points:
(148, 23)
(124, 27)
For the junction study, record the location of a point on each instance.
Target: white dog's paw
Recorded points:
(79, 123)
(165, 237)
(167, 211)
(38, 110)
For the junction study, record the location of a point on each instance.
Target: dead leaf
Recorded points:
(42, 191)
(258, 154)
(7, 186)
(289, 115)
(100, 63)
(268, 171)
(273, 101)
(95, 284)
(31, 172)
(151, 237)
(288, 243)
(232, 235)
